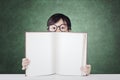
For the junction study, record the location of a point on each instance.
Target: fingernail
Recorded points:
(23, 68)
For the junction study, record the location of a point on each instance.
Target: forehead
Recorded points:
(60, 22)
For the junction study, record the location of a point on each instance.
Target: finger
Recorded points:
(23, 59)
(23, 68)
(88, 65)
(26, 59)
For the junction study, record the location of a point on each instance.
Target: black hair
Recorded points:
(56, 17)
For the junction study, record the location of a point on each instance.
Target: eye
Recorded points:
(53, 27)
(62, 27)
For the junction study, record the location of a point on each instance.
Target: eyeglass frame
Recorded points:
(57, 27)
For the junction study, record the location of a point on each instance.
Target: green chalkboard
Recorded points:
(99, 18)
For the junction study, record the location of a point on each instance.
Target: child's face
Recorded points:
(59, 26)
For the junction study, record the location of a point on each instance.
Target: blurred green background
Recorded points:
(99, 18)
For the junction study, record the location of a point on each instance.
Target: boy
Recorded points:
(58, 23)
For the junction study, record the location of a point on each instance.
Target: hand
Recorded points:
(25, 63)
(86, 70)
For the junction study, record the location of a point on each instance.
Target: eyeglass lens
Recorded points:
(62, 27)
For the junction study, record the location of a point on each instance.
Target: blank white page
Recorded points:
(40, 53)
(71, 54)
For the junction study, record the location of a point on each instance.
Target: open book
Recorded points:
(60, 53)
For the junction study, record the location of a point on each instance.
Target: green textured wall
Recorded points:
(99, 18)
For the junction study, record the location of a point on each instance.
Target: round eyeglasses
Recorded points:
(62, 28)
